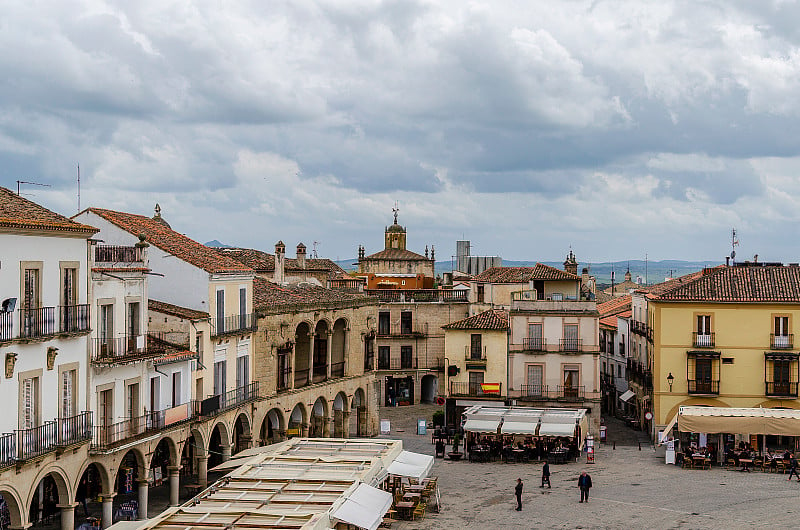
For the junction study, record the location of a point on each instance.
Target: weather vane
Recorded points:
(395, 210)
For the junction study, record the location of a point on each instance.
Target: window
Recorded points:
(475, 382)
(619, 370)
(781, 338)
(219, 377)
(535, 341)
(480, 292)
(383, 323)
(556, 296)
(383, 357)
(703, 372)
(406, 322)
(406, 353)
(571, 342)
(176, 389)
(242, 371)
(106, 406)
(475, 349)
(220, 311)
(30, 403)
(704, 336)
(198, 342)
(133, 327)
(132, 400)
(32, 293)
(68, 397)
(69, 290)
(534, 379)
(242, 308)
(369, 353)
(107, 322)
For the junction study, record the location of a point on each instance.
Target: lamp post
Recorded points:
(670, 380)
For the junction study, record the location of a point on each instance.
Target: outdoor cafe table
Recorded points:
(405, 509)
(413, 497)
(745, 463)
(700, 461)
(416, 488)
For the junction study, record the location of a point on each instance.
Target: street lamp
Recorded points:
(670, 380)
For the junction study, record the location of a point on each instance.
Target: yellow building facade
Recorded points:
(725, 339)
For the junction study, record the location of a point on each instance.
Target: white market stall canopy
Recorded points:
(784, 422)
(365, 507)
(525, 420)
(408, 464)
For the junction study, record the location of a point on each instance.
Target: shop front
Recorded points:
(399, 391)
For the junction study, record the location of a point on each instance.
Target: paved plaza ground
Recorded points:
(632, 489)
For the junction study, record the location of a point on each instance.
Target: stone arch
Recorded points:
(219, 443)
(358, 415)
(340, 406)
(273, 427)
(142, 466)
(339, 347)
(102, 472)
(15, 506)
(241, 433)
(172, 448)
(302, 353)
(298, 419)
(319, 416)
(64, 490)
(429, 388)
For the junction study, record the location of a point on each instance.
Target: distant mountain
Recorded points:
(215, 243)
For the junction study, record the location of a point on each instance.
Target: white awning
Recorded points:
(365, 507)
(517, 427)
(408, 464)
(668, 429)
(233, 463)
(557, 429)
(627, 395)
(473, 425)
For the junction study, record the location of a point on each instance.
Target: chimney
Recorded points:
(301, 256)
(280, 255)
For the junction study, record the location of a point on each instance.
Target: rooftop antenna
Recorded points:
(79, 186)
(31, 183)
(645, 268)
(734, 244)
(314, 250)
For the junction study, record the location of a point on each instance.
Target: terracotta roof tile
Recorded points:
(614, 306)
(663, 287)
(265, 262)
(175, 310)
(609, 322)
(268, 295)
(19, 212)
(493, 319)
(168, 240)
(396, 254)
(523, 274)
(763, 283)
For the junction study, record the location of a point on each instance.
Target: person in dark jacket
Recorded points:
(793, 468)
(584, 483)
(518, 493)
(546, 475)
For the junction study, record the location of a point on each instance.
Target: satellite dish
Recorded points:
(8, 305)
(733, 254)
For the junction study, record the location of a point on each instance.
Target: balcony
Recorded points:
(703, 340)
(781, 389)
(284, 377)
(24, 444)
(535, 344)
(703, 387)
(234, 324)
(320, 373)
(73, 318)
(369, 362)
(572, 307)
(6, 326)
(112, 435)
(419, 295)
(463, 388)
(475, 355)
(300, 378)
(402, 329)
(219, 403)
(118, 254)
(781, 342)
(534, 391)
(35, 323)
(411, 363)
(571, 345)
(120, 350)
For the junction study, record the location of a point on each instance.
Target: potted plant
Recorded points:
(455, 454)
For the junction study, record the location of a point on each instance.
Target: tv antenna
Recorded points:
(31, 183)
(734, 244)
(79, 187)
(314, 250)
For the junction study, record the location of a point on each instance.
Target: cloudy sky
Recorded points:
(617, 127)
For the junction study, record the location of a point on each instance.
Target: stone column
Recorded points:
(108, 509)
(311, 341)
(144, 491)
(345, 424)
(329, 354)
(245, 442)
(67, 515)
(174, 485)
(338, 427)
(226, 452)
(292, 360)
(202, 470)
(304, 430)
(326, 426)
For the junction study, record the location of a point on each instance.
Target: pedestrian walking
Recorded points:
(546, 475)
(793, 468)
(82, 494)
(518, 493)
(584, 483)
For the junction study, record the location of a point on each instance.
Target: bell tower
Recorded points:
(395, 234)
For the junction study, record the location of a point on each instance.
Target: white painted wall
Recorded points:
(50, 250)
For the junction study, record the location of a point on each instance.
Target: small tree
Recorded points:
(438, 418)
(456, 442)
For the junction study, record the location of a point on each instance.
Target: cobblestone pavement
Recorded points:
(632, 489)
